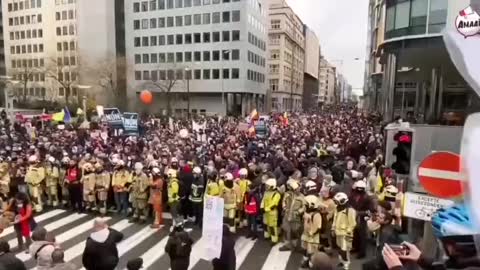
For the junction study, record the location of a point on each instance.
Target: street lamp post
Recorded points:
(8, 81)
(84, 99)
(188, 91)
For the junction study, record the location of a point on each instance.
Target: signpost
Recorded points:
(440, 175)
(420, 206)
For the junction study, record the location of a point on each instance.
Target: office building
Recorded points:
(197, 56)
(286, 55)
(326, 82)
(311, 70)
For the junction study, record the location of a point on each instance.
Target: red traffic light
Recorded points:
(405, 139)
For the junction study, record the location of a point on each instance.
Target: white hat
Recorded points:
(243, 171)
(51, 159)
(138, 166)
(228, 176)
(32, 158)
(359, 184)
(197, 170)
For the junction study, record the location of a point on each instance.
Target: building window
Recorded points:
(178, 3)
(161, 58)
(179, 56)
(206, 74)
(153, 5)
(206, 37)
(197, 73)
(235, 35)
(153, 58)
(136, 24)
(188, 20)
(188, 38)
(138, 59)
(161, 22)
(216, 55)
(144, 41)
(235, 73)
(144, 6)
(274, 84)
(187, 3)
(170, 22)
(236, 16)
(215, 74)
(216, 36)
(146, 75)
(153, 41)
(418, 16)
(235, 54)
(170, 40)
(136, 42)
(197, 3)
(206, 56)
(216, 17)
(161, 4)
(188, 56)
(162, 75)
(226, 16)
(226, 36)
(197, 19)
(170, 57)
(153, 23)
(206, 18)
(197, 38)
(154, 75)
(226, 73)
(275, 24)
(438, 15)
(161, 40)
(274, 69)
(179, 21)
(179, 39)
(197, 56)
(146, 58)
(138, 77)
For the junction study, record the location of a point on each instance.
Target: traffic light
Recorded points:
(402, 152)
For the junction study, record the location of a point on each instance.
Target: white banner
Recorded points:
(212, 231)
(197, 127)
(420, 206)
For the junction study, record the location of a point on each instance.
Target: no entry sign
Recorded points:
(439, 173)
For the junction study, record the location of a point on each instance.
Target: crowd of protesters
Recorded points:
(315, 182)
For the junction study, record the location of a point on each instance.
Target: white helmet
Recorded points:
(172, 173)
(229, 177)
(359, 185)
(174, 160)
(311, 185)
(293, 184)
(120, 162)
(271, 183)
(65, 160)
(243, 172)
(155, 170)
(51, 159)
(32, 158)
(138, 166)
(312, 201)
(391, 191)
(340, 198)
(197, 170)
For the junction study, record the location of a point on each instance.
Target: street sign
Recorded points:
(420, 206)
(440, 175)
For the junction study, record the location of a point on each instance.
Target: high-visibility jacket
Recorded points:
(35, 175)
(196, 195)
(52, 175)
(344, 222)
(120, 179)
(172, 190)
(213, 189)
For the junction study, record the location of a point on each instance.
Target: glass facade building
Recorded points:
(414, 17)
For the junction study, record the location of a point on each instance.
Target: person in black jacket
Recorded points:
(101, 248)
(8, 260)
(227, 260)
(179, 247)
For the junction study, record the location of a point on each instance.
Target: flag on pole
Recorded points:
(285, 119)
(58, 117)
(67, 117)
(254, 115)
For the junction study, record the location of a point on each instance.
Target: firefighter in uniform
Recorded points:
(243, 184)
(270, 203)
(213, 188)
(139, 190)
(196, 196)
(64, 183)
(312, 224)
(120, 179)
(173, 188)
(89, 181)
(102, 183)
(344, 222)
(52, 176)
(156, 200)
(230, 196)
(34, 178)
(293, 205)
(4, 183)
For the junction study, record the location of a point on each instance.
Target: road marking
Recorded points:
(39, 218)
(242, 248)
(276, 260)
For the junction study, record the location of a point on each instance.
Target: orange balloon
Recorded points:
(146, 97)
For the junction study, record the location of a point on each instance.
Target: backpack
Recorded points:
(251, 205)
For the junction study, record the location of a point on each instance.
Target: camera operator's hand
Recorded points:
(391, 259)
(413, 252)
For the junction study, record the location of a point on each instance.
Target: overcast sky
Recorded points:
(341, 27)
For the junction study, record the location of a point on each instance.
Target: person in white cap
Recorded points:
(34, 177)
(52, 177)
(139, 192)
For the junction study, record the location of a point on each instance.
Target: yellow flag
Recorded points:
(58, 117)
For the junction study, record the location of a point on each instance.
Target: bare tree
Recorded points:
(166, 80)
(108, 72)
(24, 75)
(65, 76)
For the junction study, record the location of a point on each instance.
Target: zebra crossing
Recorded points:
(72, 229)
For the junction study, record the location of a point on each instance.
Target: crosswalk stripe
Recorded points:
(242, 248)
(154, 253)
(276, 259)
(196, 254)
(76, 250)
(52, 226)
(38, 219)
(134, 240)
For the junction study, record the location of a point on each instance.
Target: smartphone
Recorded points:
(401, 250)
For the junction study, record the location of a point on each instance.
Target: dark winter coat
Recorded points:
(227, 260)
(8, 261)
(178, 248)
(101, 251)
